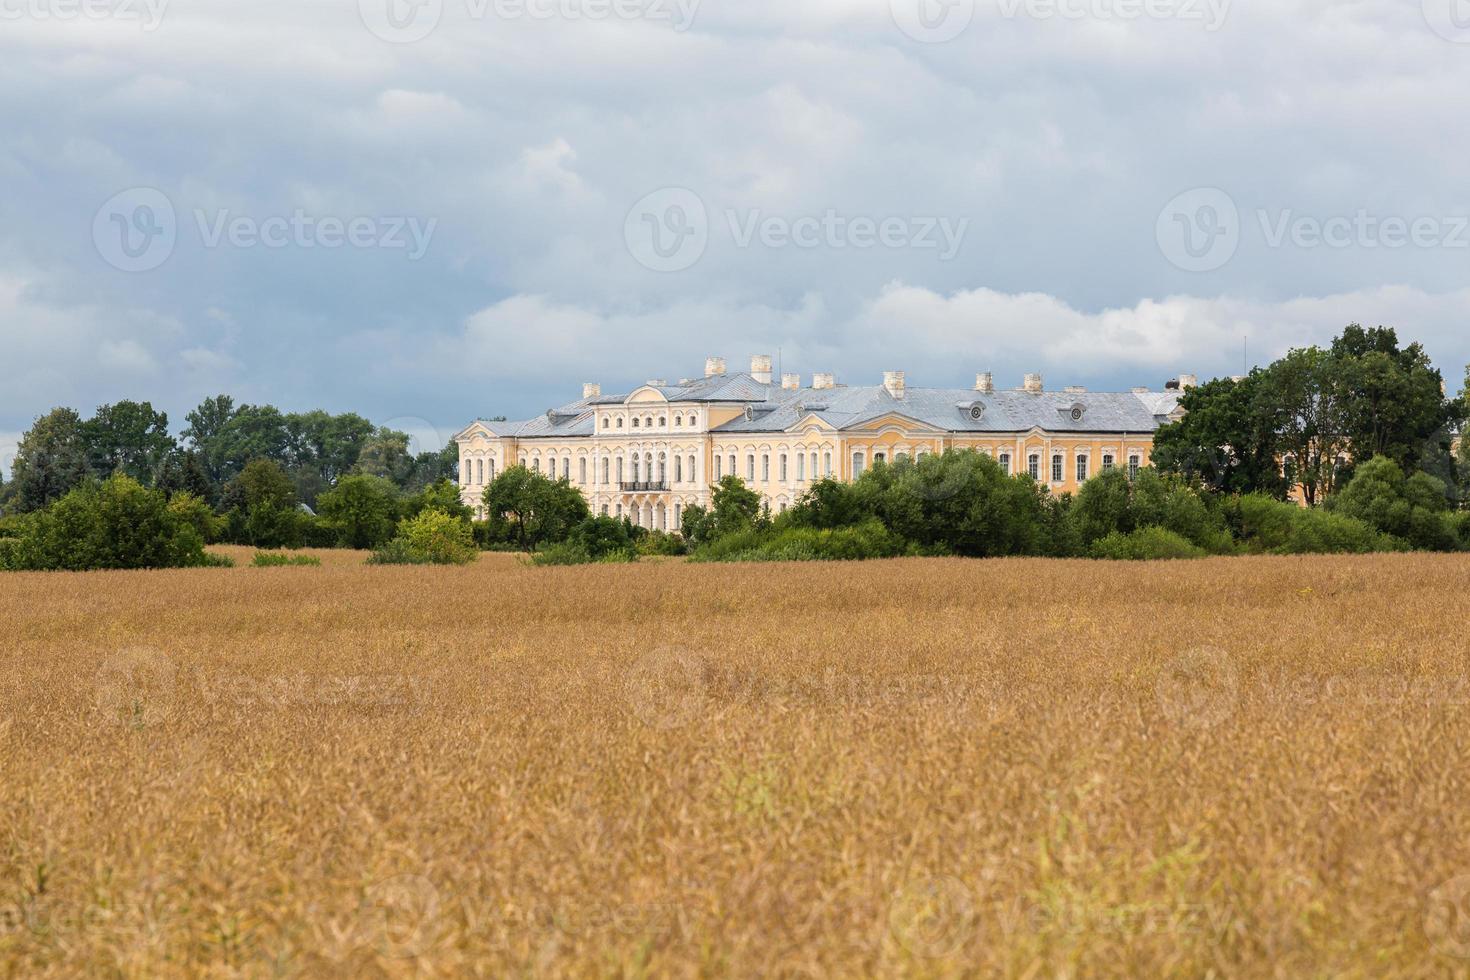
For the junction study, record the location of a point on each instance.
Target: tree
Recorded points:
(365, 507)
(183, 472)
(130, 438)
(206, 427)
(439, 495)
(1393, 401)
(539, 510)
(1304, 392)
(734, 507)
(1414, 508)
(50, 461)
(116, 524)
(385, 454)
(261, 509)
(1227, 439)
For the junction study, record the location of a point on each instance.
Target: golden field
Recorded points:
(1236, 767)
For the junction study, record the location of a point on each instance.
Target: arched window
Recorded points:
(691, 468)
(604, 510)
(827, 465)
(620, 423)
(783, 469)
(800, 467)
(1108, 464)
(490, 470)
(648, 424)
(605, 465)
(750, 467)
(536, 465)
(582, 470)
(678, 469)
(663, 468)
(466, 478)
(765, 467)
(635, 422)
(636, 462)
(663, 421)
(718, 461)
(678, 421)
(678, 525)
(732, 464)
(480, 470)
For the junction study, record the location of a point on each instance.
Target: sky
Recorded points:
(431, 211)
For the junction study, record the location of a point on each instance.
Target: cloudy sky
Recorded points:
(429, 211)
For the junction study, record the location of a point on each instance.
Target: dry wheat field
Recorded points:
(927, 768)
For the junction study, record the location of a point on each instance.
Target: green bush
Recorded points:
(192, 510)
(115, 524)
(1416, 508)
(431, 538)
(266, 559)
(661, 543)
(867, 540)
(1270, 526)
(365, 509)
(574, 553)
(1145, 544)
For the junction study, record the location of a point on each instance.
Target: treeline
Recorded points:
(314, 450)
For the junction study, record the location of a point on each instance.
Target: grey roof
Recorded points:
(777, 409)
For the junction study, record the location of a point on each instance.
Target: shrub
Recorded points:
(867, 540)
(573, 553)
(266, 559)
(1270, 526)
(431, 538)
(192, 510)
(1415, 508)
(1145, 544)
(661, 543)
(115, 524)
(364, 508)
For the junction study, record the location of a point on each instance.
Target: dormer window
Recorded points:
(678, 420)
(620, 423)
(663, 421)
(1077, 411)
(635, 423)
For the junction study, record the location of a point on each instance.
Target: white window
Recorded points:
(480, 468)
(566, 468)
(678, 466)
(783, 467)
(620, 425)
(827, 465)
(1081, 469)
(678, 420)
(536, 465)
(1033, 465)
(677, 524)
(814, 466)
(765, 467)
(605, 465)
(490, 470)
(1005, 463)
(880, 457)
(857, 465)
(1133, 463)
(604, 510)
(750, 467)
(582, 470)
(691, 468)
(718, 461)
(732, 464)
(1107, 462)
(466, 478)
(1056, 469)
(800, 467)
(635, 423)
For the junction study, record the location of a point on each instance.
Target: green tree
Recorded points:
(366, 508)
(440, 495)
(1305, 392)
(386, 453)
(1393, 400)
(538, 510)
(261, 507)
(50, 461)
(734, 507)
(204, 433)
(116, 524)
(130, 438)
(1227, 439)
(1414, 508)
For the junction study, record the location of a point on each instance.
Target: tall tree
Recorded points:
(1227, 439)
(1393, 399)
(206, 424)
(1305, 393)
(50, 460)
(128, 438)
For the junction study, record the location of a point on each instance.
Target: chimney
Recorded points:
(1076, 389)
(760, 368)
(714, 366)
(893, 382)
(821, 382)
(1033, 384)
(591, 390)
(791, 382)
(1188, 381)
(985, 383)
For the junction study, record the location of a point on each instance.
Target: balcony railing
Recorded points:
(661, 487)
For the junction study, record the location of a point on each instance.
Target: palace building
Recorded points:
(654, 451)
